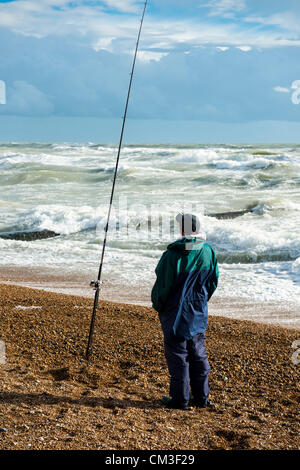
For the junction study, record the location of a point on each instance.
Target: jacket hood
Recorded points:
(186, 244)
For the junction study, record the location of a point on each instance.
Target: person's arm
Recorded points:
(213, 281)
(165, 274)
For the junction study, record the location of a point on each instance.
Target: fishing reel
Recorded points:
(95, 284)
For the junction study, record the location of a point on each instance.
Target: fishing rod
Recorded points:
(96, 284)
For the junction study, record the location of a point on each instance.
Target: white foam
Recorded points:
(260, 251)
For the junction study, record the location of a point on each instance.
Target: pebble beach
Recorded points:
(52, 398)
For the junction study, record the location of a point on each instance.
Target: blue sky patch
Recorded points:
(222, 61)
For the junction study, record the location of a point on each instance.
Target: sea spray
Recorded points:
(64, 188)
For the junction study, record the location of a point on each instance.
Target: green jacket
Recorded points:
(186, 278)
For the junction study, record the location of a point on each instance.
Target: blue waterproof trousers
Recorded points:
(188, 367)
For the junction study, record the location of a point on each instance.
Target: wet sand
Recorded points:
(52, 398)
(50, 280)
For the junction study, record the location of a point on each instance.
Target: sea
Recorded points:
(246, 196)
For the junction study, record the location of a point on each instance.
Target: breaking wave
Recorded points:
(65, 188)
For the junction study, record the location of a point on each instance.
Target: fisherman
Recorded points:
(187, 276)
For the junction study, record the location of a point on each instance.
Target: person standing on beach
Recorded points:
(187, 276)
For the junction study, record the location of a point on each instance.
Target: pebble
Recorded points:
(269, 381)
(170, 428)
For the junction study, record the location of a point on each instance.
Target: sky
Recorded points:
(207, 70)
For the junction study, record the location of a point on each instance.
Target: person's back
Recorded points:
(187, 276)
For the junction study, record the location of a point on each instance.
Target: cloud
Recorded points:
(244, 48)
(25, 99)
(92, 22)
(123, 5)
(286, 20)
(57, 76)
(281, 89)
(224, 7)
(147, 56)
(73, 59)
